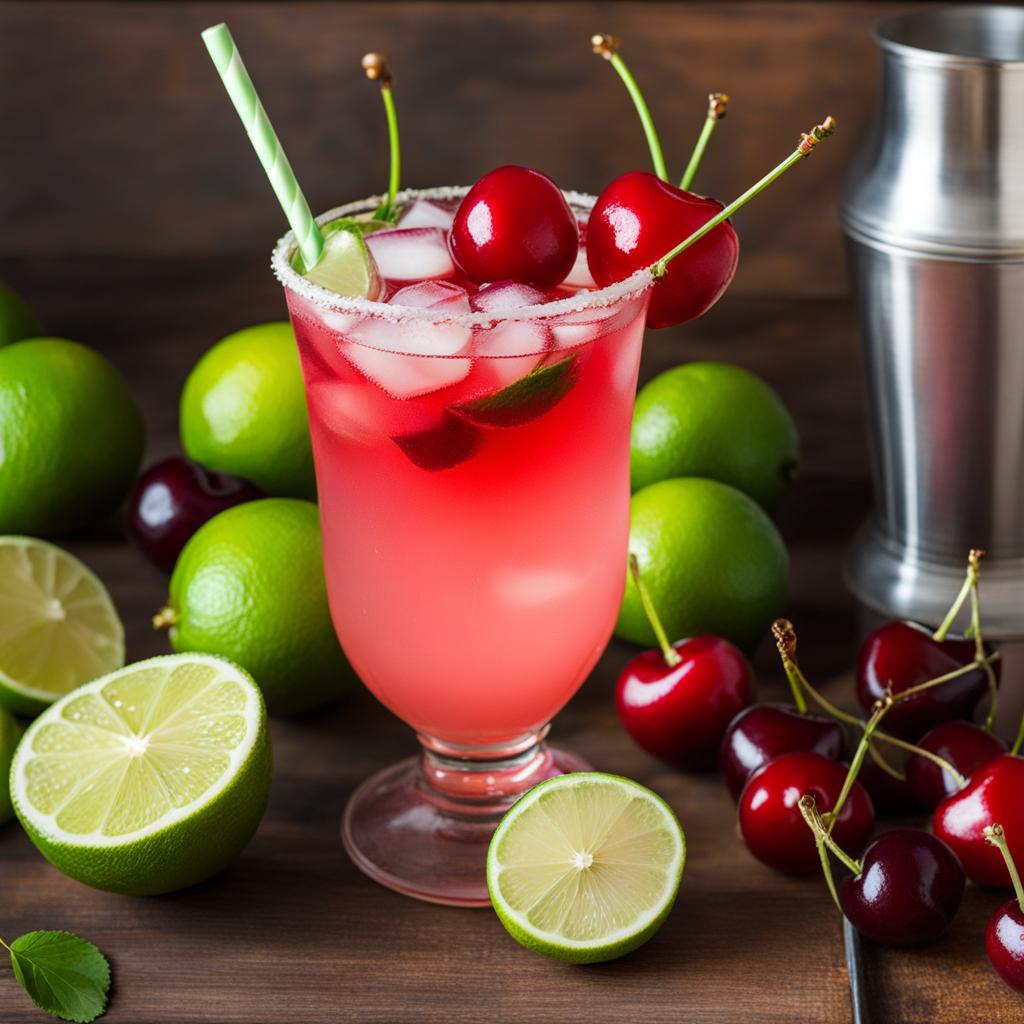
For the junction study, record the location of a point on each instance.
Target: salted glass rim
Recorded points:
(328, 301)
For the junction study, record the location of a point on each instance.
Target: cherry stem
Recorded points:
(785, 640)
(971, 666)
(718, 104)
(1019, 741)
(785, 636)
(809, 809)
(377, 70)
(608, 47)
(881, 707)
(879, 759)
(995, 835)
(668, 652)
(970, 583)
(807, 142)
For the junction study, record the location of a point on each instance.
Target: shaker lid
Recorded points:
(943, 171)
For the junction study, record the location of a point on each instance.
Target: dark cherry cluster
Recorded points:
(806, 792)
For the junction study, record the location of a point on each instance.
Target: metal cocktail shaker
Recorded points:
(934, 217)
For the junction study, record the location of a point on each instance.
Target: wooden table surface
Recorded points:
(293, 932)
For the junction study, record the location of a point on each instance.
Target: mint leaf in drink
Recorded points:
(62, 974)
(525, 399)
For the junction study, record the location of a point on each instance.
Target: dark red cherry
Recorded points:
(514, 224)
(1004, 943)
(905, 654)
(639, 218)
(450, 442)
(908, 890)
(889, 796)
(680, 713)
(761, 733)
(769, 814)
(966, 746)
(173, 498)
(993, 795)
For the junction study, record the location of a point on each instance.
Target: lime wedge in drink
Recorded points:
(585, 867)
(149, 779)
(346, 266)
(58, 626)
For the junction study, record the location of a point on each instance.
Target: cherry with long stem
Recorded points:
(824, 841)
(995, 835)
(858, 758)
(668, 652)
(377, 70)
(607, 46)
(808, 140)
(718, 105)
(785, 638)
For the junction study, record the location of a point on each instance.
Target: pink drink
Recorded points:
(475, 504)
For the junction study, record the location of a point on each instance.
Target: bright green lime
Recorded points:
(585, 867)
(71, 437)
(10, 733)
(16, 319)
(712, 562)
(243, 411)
(149, 779)
(716, 421)
(249, 585)
(346, 266)
(58, 626)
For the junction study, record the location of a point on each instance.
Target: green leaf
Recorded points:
(62, 974)
(525, 399)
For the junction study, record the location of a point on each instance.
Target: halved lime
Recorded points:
(10, 733)
(58, 626)
(149, 779)
(346, 266)
(585, 867)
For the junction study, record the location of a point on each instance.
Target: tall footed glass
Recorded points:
(475, 511)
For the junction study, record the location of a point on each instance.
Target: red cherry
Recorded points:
(966, 746)
(769, 814)
(679, 713)
(889, 796)
(514, 224)
(761, 733)
(1004, 943)
(636, 220)
(173, 498)
(992, 795)
(908, 890)
(906, 654)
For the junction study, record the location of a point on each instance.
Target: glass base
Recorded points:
(421, 827)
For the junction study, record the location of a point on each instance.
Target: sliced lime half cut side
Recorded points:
(58, 626)
(585, 867)
(346, 267)
(149, 779)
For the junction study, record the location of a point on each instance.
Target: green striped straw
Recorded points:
(242, 92)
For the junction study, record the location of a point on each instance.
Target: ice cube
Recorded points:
(506, 297)
(575, 329)
(362, 412)
(411, 254)
(395, 354)
(512, 348)
(421, 213)
(580, 276)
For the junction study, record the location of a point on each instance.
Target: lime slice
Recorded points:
(149, 779)
(10, 733)
(346, 266)
(585, 867)
(58, 626)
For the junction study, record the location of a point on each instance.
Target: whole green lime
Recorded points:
(16, 319)
(243, 411)
(716, 421)
(71, 437)
(10, 733)
(249, 586)
(711, 560)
